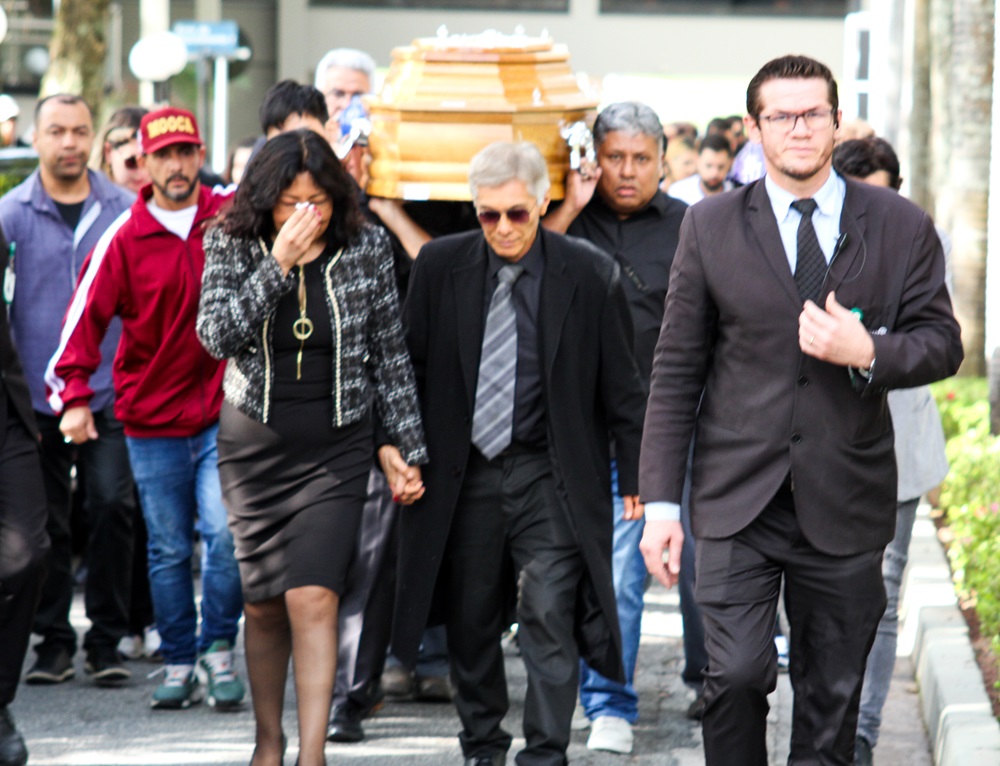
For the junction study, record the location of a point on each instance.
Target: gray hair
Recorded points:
(346, 58)
(503, 161)
(632, 117)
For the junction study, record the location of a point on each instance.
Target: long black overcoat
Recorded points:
(593, 397)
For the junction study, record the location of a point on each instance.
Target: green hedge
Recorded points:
(970, 498)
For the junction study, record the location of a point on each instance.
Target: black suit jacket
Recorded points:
(730, 339)
(591, 389)
(10, 365)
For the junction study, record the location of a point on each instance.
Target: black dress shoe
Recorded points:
(696, 711)
(345, 724)
(12, 749)
(496, 759)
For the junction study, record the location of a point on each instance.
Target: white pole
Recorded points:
(219, 114)
(154, 16)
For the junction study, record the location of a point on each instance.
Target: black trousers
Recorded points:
(365, 614)
(109, 504)
(24, 546)
(833, 604)
(508, 511)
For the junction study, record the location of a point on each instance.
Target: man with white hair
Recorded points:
(522, 345)
(342, 74)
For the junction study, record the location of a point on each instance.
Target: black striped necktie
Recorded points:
(810, 263)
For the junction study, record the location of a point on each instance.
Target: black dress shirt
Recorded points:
(529, 403)
(644, 245)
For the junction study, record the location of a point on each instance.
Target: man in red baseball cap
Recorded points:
(147, 269)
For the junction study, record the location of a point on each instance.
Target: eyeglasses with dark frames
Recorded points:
(785, 122)
(516, 215)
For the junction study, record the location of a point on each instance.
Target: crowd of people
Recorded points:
(677, 370)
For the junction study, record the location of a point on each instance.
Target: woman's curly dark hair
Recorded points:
(273, 169)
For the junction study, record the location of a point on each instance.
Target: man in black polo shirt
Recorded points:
(630, 218)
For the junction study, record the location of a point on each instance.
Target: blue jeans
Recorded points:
(601, 696)
(882, 657)
(178, 480)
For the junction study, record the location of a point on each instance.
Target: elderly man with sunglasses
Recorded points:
(521, 342)
(52, 221)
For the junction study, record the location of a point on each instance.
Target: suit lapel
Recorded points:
(557, 295)
(467, 282)
(853, 221)
(760, 218)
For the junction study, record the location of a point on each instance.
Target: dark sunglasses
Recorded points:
(516, 215)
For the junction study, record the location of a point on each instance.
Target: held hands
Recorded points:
(404, 480)
(835, 335)
(77, 425)
(296, 236)
(633, 508)
(662, 539)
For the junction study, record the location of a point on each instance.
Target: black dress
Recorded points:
(295, 486)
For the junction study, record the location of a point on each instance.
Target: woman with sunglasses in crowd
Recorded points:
(119, 149)
(299, 295)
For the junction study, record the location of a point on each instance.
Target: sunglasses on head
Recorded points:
(516, 215)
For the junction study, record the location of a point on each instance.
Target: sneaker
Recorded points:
(53, 666)
(179, 690)
(434, 689)
(151, 643)
(104, 666)
(215, 670)
(397, 681)
(781, 644)
(132, 647)
(580, 721)
(611, 734)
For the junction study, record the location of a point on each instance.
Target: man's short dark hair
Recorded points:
(790, 68)
(716, 142)
(62, 98)
(288, 97)
(860, 157)
(718, 126)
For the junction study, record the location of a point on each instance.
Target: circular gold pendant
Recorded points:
(302, 328)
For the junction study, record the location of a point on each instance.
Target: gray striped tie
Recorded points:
(493, 419)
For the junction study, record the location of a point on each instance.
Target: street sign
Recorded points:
(209, 38)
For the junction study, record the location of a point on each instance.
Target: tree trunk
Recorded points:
(969, 99)
(77, 51)
(919, 172)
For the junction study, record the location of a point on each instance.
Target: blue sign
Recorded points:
(209, 38)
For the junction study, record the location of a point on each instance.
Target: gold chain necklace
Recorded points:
(302, 328)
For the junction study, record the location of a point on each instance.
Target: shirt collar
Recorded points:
(533, 261)
(826, 198)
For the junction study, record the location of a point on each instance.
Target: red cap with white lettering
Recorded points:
(165, 127)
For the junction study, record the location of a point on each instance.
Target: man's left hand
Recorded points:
(835, 335)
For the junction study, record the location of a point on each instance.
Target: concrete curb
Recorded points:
(956, 709)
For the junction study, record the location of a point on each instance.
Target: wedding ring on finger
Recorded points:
(811, 339)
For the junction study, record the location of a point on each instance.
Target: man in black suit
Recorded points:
(522, 346)
(24, 544)
(794, 304)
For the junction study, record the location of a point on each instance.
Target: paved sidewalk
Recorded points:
(81, 725)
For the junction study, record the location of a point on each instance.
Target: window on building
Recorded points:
(736, 7)
(548, 6)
